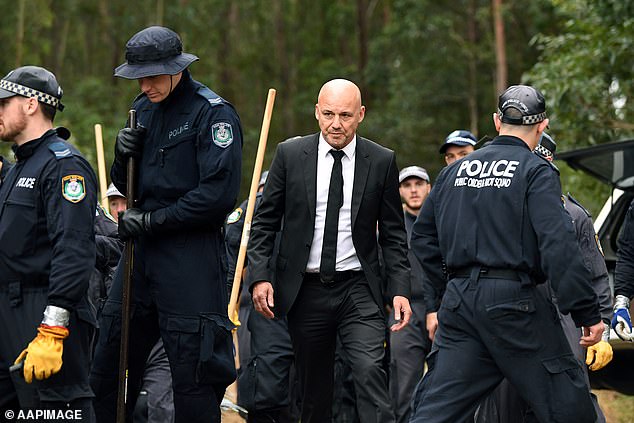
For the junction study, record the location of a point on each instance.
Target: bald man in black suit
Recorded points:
(333, 190)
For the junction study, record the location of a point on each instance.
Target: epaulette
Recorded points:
(552, 165)
(572, 199)
(60, 149)
(213, 98)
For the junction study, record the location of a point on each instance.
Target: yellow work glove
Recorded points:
(43, 356)
(600, 354)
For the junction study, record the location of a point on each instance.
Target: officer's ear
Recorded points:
(496, 121)
(30, 105)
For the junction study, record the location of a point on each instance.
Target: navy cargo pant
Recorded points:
(21, 311)
(491, 328)
(179, 294)
(266, 384)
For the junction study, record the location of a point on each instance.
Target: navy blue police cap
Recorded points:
(155, 50)
(33, 81)
(460, 137)
(525, 99)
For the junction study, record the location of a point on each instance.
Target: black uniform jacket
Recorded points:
(500, 207)
(290, 194)
(189, 172)
(47, 213)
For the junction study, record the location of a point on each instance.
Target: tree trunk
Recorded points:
(362, 22)
(19, 42)
(473, 68)
(501, 77)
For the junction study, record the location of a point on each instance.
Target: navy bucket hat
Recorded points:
(156, 50)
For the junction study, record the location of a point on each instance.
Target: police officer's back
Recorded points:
(497, 219)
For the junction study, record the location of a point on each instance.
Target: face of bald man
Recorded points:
(339, 111)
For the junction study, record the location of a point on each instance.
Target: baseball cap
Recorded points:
(413, 171)
(113, 191)
(155, 50)
(525, 99)
(32, 81)
(546, 147)
(459, 137)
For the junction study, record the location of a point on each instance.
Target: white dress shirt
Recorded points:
(346, 254)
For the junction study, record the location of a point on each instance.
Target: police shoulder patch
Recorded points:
(234, 216)
(222, 134)
(60, 149)
(73, 188)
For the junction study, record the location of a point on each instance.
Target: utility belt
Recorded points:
(478, 272)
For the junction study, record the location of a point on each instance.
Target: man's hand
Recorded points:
(129, 142)
(431, 323)
(134, 222)
(621, 321)
(402, 313)
(43, 357)
(592, 335)
(262, 294)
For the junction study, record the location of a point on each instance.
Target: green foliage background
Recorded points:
(410, 57)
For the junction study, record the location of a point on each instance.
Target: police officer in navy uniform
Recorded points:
(188, 148)
(47, 252)
(505, 405)
(497, 219)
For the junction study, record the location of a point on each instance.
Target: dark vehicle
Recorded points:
(613, 164)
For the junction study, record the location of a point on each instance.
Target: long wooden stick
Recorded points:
(101, 167)
(127, 289)
(255, 181)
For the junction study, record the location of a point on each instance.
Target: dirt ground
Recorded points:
(617, 408)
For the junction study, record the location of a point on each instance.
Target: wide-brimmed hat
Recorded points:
(32, 81)
(156, 50)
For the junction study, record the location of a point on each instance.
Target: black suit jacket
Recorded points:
(290, 195)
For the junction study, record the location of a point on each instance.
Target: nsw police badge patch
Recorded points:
(73, 188)
(234, 216)
(222, 134)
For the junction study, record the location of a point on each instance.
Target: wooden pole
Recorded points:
(101, 167)
(255, 181)
(232, 390)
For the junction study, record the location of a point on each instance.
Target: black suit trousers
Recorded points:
(319, 313)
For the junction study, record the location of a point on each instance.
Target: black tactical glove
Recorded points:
(129, 142)
(134, 222)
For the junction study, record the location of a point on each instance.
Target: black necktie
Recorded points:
(331, 228)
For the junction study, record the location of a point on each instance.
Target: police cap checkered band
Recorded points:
(18, 89)
(544, 152)
(525, 120)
